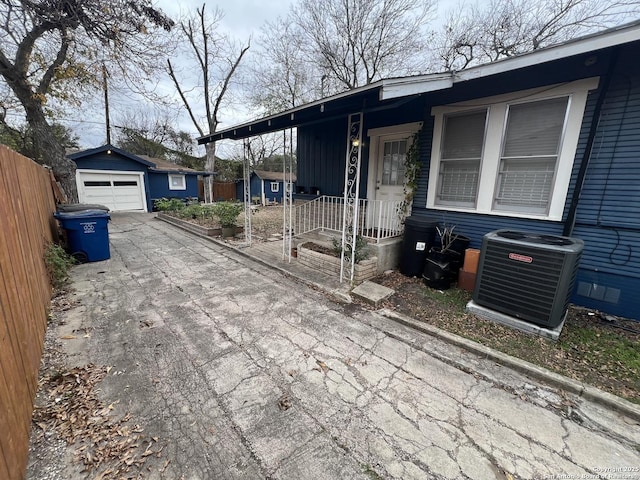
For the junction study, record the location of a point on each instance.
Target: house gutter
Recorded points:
(570, 222)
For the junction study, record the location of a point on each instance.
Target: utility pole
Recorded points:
(106, 103)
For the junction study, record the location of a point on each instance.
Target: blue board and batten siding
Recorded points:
(608, 212)
(322, 148)
(159, 186)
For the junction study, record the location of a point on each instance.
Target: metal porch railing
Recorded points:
(377, 219)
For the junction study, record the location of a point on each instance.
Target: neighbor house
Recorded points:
(547, 141)
(266, 187)
(123, 181)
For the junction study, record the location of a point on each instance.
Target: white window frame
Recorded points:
(492, 150)
(181, 178)
(275, 187)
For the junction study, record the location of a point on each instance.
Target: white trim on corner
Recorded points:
(577, 91)
(116, 172)
(403, 130)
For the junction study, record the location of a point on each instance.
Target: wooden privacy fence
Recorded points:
(224, 191)
(26, 226)
(221, 190)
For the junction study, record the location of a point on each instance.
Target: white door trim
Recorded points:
(375, 135)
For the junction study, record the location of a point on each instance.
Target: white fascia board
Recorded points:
(404, 87)
(565, 50)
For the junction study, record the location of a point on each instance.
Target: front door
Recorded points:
(384, 214)
(390, 180)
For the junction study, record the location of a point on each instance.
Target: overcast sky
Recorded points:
(242, 19)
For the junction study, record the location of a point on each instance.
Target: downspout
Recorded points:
(570, 222)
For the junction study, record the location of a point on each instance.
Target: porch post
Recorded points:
(247, 193)
(351, 193)
(287, 228)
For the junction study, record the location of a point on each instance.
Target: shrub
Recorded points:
(227, 212)
(361, 249)
(169, 204)
(58, 263)
(191, 211)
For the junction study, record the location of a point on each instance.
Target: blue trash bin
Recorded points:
(87, 234)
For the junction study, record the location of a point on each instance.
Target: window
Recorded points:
(460, 161)
(529, 155)
(177, 182)
(275, 187)
(97, 183)
(393, 162)
(512, 156)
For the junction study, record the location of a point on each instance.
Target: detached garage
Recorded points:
(123, 181)
(116, 190)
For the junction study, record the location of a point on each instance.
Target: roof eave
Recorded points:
(289, 115)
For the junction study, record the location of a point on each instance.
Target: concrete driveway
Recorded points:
(243, 373)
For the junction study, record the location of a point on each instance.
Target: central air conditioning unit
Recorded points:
(529, 276)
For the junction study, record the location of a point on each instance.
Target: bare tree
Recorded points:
(259, 148)
(49, 50)
(356, 42)
(282, 76)
(217, 60)
(481, 33)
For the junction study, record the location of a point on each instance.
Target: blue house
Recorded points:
(266, 187)
(123, 181)
(547, 141)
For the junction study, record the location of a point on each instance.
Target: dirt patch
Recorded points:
(593, 348)
(265, 221)
(321, 249)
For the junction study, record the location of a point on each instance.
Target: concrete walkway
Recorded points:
(245, 373)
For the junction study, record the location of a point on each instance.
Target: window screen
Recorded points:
(462, 141)
(529, 155)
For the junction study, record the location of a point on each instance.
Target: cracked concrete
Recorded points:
(244, 373)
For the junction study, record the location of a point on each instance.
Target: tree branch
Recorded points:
(225, 86)
(184, 99)
(61, 57)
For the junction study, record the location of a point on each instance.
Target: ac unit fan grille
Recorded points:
(525, 290)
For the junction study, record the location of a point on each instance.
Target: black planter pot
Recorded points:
(437, 270)
(456, 255)
(460, 244)
(456, 260)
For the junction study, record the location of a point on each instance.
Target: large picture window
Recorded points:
(508, 155)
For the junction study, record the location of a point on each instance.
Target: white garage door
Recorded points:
(118, 191)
